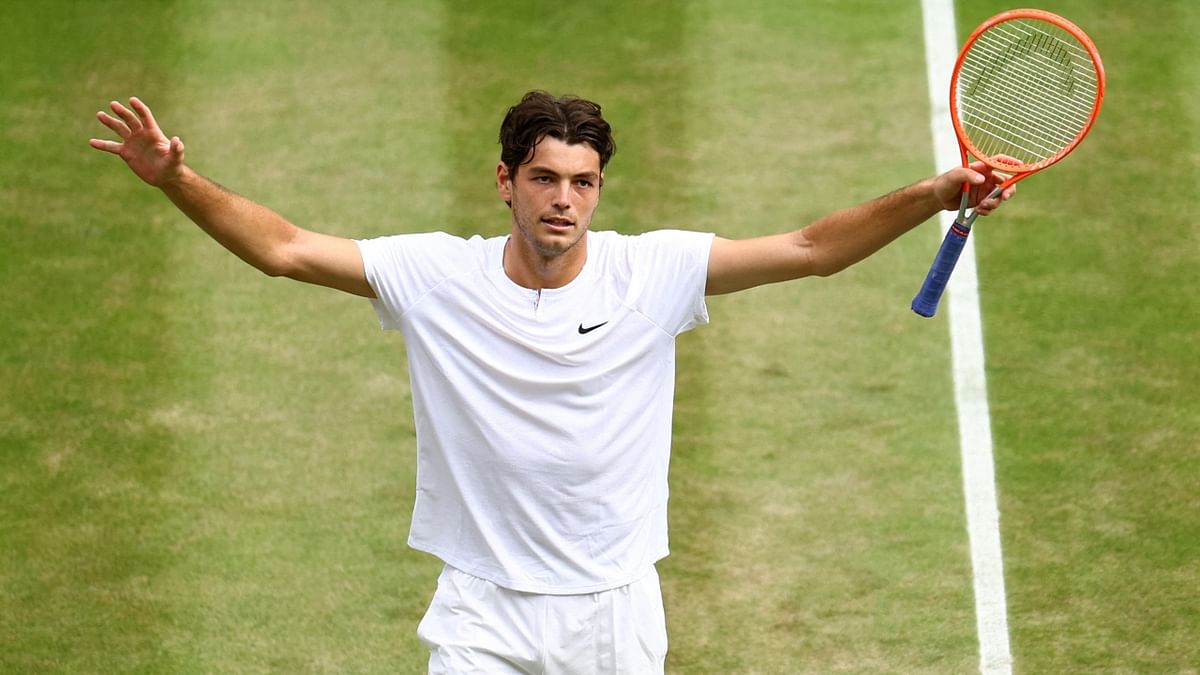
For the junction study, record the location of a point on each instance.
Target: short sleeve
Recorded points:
(670, 271)
(403, 268)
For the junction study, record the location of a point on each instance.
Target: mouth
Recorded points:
(558, 223)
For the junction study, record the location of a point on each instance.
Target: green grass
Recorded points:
(1093, 325)
(205, 470)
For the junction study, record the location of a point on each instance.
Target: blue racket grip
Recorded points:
(926, 301)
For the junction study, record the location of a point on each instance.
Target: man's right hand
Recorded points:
(156, 159)
(249, 230)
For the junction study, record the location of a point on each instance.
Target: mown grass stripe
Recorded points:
(818, 503)
(84, 465)
(301, 467)
(1092, 322)
(970, 384)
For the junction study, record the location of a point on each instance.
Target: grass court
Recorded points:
(204, 470)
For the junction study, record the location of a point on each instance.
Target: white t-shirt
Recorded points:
(543, 420)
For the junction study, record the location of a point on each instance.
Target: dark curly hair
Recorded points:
(570, 119)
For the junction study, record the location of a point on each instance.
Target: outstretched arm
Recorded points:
(845, 237)
(253, 232)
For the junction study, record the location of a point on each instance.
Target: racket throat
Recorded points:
(962, 224)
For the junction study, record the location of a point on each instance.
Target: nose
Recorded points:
(562, 196)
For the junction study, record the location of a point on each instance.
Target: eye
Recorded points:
(583, 183)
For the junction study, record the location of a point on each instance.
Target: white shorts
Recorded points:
(475, 626)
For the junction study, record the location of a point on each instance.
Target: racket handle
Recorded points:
(926, 301)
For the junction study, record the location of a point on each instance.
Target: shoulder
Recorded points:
(402, 268)
(651, 240)
(681, 238)
(673, 247)
(432, 249)
(430, 241)
(650, 254)
(662, 274)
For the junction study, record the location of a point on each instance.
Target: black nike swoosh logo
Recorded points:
(585, 331)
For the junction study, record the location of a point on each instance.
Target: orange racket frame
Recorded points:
(1012, 170)
(1022, 170)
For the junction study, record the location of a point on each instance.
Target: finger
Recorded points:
(107, 146)
(989, 205)
(124, 113)
(974, 179)
(982, 169)
(143, 111)
(960, 175)
(976, 173)
(177, 148)
(114, 124)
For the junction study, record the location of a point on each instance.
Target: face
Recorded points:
(552, 196)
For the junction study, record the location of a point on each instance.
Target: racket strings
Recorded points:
(1062, 121)
(1026, 90)
(1049, 72)
(1018, 105)
(1014, 112)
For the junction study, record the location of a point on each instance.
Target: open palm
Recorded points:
(155, 158)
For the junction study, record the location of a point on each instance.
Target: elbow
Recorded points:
(827, 268)
(282, 258)
(826, 261)
(274, 264)
(815, 260)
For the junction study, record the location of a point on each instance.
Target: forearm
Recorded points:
(845, 237)
(251, 231)
(850, 235)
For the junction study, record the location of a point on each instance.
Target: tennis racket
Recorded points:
(1026, 89)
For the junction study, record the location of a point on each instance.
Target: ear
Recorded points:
(504, 183)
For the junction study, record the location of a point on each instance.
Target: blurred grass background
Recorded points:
(205, 470)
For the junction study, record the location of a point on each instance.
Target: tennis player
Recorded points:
(542, 364)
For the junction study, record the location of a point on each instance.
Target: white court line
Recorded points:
(970, 385)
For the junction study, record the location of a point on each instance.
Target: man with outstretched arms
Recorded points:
(542, 366)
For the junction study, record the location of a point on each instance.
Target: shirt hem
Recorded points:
(540, 589)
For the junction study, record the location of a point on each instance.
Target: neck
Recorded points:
(532, 269)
